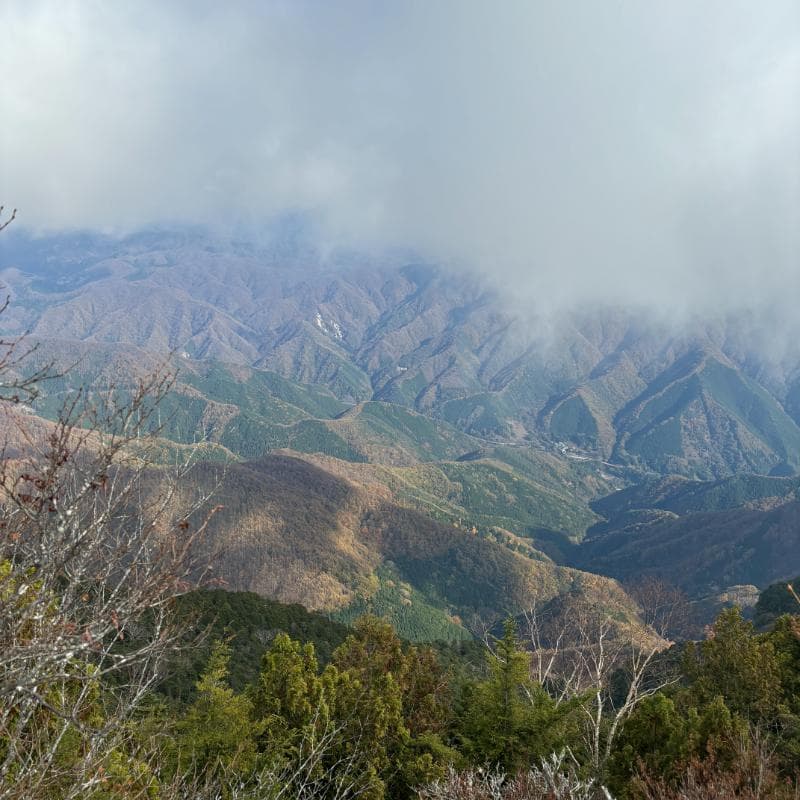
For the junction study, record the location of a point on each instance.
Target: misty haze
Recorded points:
(400, 400)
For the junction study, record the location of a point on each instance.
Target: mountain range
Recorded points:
(401, 437)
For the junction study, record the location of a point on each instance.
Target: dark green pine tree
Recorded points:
(217, 733)
(509, 719)
(738, 665)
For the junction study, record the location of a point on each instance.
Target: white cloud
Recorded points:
(624, 151)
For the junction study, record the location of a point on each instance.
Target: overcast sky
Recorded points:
(632, 151)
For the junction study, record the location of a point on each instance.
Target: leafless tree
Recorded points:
(93, 549)
(5, 223)
(663, 607)
(577, 650)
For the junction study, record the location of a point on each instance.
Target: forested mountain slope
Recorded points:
(699, 399)
(428, 403)
(701, 536)
(297, 532)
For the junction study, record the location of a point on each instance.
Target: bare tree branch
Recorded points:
(96, 541)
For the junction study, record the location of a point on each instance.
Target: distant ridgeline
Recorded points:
(702, 536)
(399, 442)
(699, 400)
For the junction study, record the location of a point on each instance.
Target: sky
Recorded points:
(615, 150)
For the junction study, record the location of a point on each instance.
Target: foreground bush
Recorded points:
(555, 779)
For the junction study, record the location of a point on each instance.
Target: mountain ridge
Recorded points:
(409, 334)
(428, 394)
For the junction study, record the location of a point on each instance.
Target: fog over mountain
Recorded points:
(628, 153)
(399, 400)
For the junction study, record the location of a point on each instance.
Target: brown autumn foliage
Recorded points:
(293, 530)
